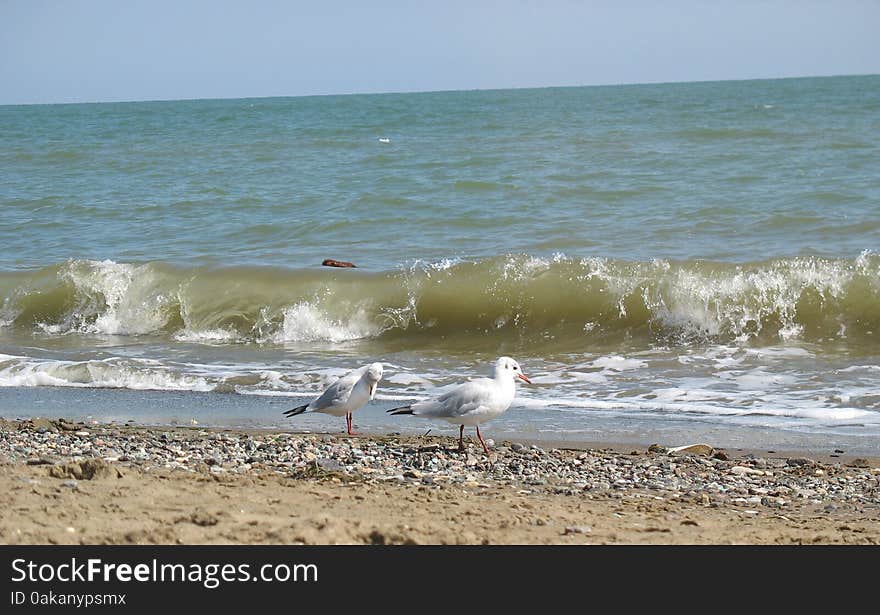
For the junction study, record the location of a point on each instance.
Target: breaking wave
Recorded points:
(521, 297)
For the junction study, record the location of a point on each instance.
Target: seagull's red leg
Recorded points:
(349, 420)
(480, 436)
(461, 438)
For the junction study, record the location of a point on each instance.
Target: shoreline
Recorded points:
(77, 483)
(214, 410)
(828, 454)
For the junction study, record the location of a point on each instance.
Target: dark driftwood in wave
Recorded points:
(329, 262)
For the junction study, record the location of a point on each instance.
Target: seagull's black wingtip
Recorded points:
(400, 410)
(297, 410)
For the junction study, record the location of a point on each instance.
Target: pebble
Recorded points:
(435, 463)
(743, 470)
(330, 465)
(801, 461)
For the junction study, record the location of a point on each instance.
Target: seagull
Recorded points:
(473, 402)
(345, 395)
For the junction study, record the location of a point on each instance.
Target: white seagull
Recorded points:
(345, 395)
(473, 402)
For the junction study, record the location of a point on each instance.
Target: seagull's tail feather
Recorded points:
(297, 410)
(401, 410)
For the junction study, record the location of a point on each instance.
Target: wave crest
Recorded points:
(556, 300)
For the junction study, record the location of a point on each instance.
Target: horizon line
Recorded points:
(451, 90)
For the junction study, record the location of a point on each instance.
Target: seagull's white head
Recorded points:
(507, 367)
(374, 372)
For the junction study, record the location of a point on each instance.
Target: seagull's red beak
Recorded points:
(523, 377)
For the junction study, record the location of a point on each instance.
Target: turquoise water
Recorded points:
(675, 257)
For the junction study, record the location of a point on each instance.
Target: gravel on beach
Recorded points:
(714, 478)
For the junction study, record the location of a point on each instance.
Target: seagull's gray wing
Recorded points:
(338, 392)
(457, 402)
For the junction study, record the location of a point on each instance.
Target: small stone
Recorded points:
(203, 519)
(82, 433)
(692, 449)
(330, 465)
(800, 461)
(516, 447)
(577, 529)
(743, 470)
(859, 462)
(42, 426)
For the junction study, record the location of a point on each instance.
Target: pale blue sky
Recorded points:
(107, 50)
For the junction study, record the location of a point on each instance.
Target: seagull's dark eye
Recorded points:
(515, 367)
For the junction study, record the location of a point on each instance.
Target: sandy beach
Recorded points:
(69, 483)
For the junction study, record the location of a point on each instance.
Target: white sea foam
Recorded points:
(305, 322)
(590, 377)
(618, 363)
(741, 302)
(761, 380)
(7, 317)
(774, 352)
(860, 368)
(406, 379)
(207, 336)
(115, 299)
(682, 395)
(818, 413)
(107, 373)
(444, 264)
(569, 377)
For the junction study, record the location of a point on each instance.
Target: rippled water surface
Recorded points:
(690, 260)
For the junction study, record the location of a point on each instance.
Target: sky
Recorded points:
(56, 51)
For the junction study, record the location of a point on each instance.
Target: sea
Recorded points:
(669, 263)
